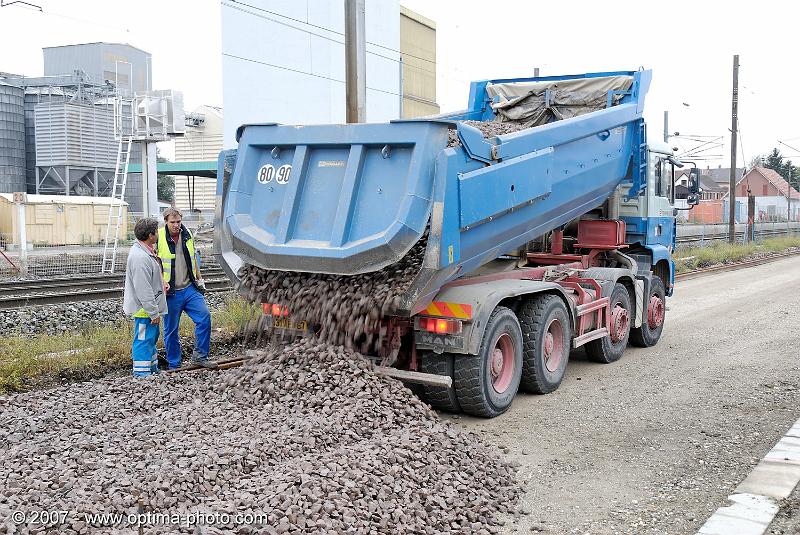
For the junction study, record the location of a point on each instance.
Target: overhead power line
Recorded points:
(326, 29)
(302, 72)
(328, 38)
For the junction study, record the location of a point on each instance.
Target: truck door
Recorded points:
(660, 220)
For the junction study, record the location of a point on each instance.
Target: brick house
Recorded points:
(764, 182)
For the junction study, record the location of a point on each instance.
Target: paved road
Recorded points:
(655, 442)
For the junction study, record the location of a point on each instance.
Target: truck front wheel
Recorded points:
(486, 383)
(653, 322)
(546, 343)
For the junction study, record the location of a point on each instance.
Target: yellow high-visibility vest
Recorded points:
(168, 257)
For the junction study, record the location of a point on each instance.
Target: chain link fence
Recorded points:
(72, 260)
(704, 235)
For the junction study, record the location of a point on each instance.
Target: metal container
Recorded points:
(34, 96)
(12, 139)
(75, 135)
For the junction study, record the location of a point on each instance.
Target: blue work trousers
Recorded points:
(192, 302)
(143, 351)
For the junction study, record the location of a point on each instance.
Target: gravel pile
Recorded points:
(307, 436)
(348, 309)
(69, 318)
(488, 128)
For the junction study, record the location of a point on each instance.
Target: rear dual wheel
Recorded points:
(610, 348)
(486, 383)
(546, 343)
(440, 397)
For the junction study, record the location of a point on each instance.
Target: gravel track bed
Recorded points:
(70, 317)
(308, 435)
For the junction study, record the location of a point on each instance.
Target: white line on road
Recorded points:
(755, 499)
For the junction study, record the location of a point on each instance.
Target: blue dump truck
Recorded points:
(554, 234)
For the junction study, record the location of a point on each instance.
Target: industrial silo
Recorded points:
(12, 139)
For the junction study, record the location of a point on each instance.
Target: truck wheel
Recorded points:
(610, 348)
(486, 383)
(653, 322)
(545, 343)
(440, 398)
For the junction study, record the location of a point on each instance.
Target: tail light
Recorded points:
(441, 326)
(270, 309)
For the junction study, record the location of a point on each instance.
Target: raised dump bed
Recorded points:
(351, 199)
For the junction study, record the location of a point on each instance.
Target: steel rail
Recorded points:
(95, 281)
(733, 266)
(82, 291)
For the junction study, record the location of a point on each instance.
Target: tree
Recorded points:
(756, 161)
(774, 161)
(786, 169)
(166, 188)
(166, 183)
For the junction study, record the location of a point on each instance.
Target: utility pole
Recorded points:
(789, 199)
(355, 60)
(400, 87)
(734, 124)
(666, 126)
(20, 199)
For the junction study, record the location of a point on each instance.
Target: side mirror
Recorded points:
(694, 186)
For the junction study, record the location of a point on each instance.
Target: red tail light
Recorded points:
(441, 326)
(270, 309)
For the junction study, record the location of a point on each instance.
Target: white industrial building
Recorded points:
(284, 62)
(202, 142)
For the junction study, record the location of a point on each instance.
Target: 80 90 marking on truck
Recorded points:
(268, 172)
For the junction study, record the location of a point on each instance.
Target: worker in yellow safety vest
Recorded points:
(184, 291)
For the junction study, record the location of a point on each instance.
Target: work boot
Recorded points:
(202, 361)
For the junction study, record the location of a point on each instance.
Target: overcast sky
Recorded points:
(688, 44)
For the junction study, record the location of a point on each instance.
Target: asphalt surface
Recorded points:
(656, 442)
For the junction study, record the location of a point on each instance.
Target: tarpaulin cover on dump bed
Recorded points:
(537, 103)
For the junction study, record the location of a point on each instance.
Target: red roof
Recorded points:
(775, 179)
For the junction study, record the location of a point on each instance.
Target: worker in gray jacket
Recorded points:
(145, 297)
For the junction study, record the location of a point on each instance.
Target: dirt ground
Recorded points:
(656, 442)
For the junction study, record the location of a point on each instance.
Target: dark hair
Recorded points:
(145, 227)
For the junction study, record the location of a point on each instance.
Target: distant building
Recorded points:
(721, 176)
(418, 52)
(201, 143)
(775, 199)
(59, 219)
(709, 190)
(128, 67)
(287, 66)
(764, 182)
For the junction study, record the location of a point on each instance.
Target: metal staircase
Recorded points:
(115, 213)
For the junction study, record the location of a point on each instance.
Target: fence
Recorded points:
(701, 235)
(49, 262)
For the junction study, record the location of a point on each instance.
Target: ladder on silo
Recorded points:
(115, 213)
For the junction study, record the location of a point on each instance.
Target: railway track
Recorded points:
(701, 238)
(22, 293)
(733, 266)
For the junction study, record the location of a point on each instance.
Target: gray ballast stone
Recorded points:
(308, 435)
(348, 308)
